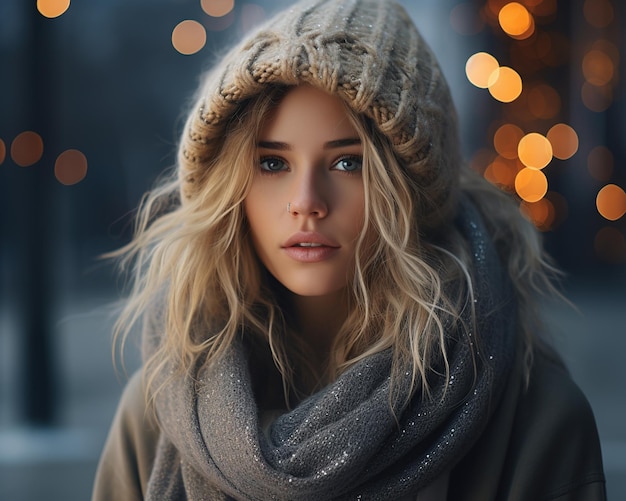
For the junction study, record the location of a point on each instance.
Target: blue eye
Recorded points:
(272, 164)
(349, 164)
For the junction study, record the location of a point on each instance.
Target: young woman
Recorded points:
(332, 307)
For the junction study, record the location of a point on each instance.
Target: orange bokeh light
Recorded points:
(515, 20)
(505, 84)
(600, 163)
(52, 8)
(27, 148)
(598, 13)
(188, 37)
(543, 101)
(598, 68)
(564, 141)
(595, 98)
(70, 167)
(535, 151)
(531, 184)
(3, 151)
(541, 213)
(217, 8)
(479, 68)
(611, 202)
(502, 172)
(506, 139)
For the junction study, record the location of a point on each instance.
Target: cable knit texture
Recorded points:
(366, 52)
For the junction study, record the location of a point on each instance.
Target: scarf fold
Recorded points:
(343, 442)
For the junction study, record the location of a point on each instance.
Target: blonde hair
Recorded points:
(196, 259)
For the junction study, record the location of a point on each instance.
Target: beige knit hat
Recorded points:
(366, 52)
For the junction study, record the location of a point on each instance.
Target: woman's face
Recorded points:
(306, 203)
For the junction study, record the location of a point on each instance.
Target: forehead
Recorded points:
(309, 111)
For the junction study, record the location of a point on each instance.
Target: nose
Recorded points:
(309, 195)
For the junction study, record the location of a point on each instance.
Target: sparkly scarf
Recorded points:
(343, 442)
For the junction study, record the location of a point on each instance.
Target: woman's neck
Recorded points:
(318, 320)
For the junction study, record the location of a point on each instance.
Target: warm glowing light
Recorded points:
(505, 84)
(540, 213)
(598, 68)
(506, 139)
(465, 19)
(479, 68)
(188, 37)
(610, 245)
(531, 184)
(3, 151)
(27, 148)
(543, 101)
(600, 163)
(611, 202)
(217, 8)
(52, 8)
(70, 167)
(251, 16)
(515, 19)
(564, 141)
(534, 151)
(598, 13)
(502, 172)
(595, 98)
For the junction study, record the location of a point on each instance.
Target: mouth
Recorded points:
(308, 244)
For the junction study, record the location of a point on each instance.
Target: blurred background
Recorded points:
(92, 97)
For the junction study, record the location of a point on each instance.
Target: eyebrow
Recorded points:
(336, 143)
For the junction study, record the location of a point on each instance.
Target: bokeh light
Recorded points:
(531, 184)
(465, 19)
(515, 20)
(3, 151)
(543, 101)
(598, 68)
(611, 202)
(505, 84)
(598, 13)
(610, 245)
(541, 213)
(596, 98)
(188, 37)
(535, 151)
(502, 172)
(479, 68)
(27, 148)
(564, 141)
(217, 8)
(506, 139)
(52, 8)
(70, 167)
(600, 163)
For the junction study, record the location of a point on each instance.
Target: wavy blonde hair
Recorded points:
(199, 256)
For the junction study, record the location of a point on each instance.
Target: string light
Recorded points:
(217, 8)
(531, 184)
(505, 84)
(70, 167)
(52, 8)
(534, 151)
(188, 37)
(611, 202)
(479, 69)
(3, 151)
(27, 148)
(564, 141)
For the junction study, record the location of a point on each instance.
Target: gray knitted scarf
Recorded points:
(342, 442)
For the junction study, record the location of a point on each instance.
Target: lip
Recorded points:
(325, 248)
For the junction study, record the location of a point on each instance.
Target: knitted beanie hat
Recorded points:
(366, 52)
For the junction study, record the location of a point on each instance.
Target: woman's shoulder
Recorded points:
(129, 452)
